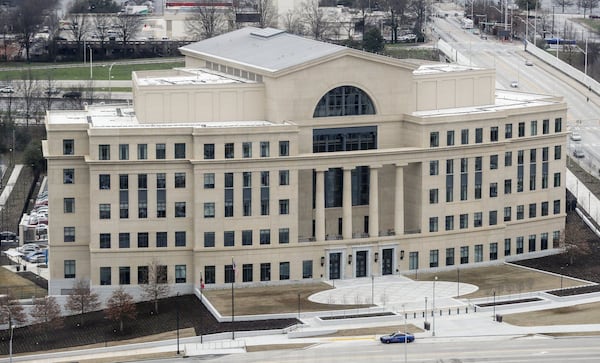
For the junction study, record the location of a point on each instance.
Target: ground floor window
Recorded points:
(265, 272)
(413, 260)
(105, 278)
(284, 271)
(69, 269)
(180, 274)
(247, 272)
(209, 274)
(307, 269)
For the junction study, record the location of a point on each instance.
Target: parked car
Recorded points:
(72, 94)
(28, 257)
(575, 136)
(528, 63)
(28, 248)
(52, 91)
(8, 236)
(7, 89)
(397, 337)
(514, 84)
(38, 259)
(578, 153)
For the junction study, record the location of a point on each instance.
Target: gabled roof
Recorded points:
(268, 49)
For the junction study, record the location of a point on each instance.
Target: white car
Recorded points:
(7, 89)
(514, 84)
(575, 136)
(28, 248)
(528, 63)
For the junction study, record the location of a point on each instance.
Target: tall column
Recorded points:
(399, 202)
(347, 204)
(374, 200)
(320, 206)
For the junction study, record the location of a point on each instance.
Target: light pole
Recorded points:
(405, 333)
(457, 281)
(11, 328)
(372, 289)
(433, 308)
(91, 63)
(177, 312)
(298, 305)
(561, 277)
(425, 310)
(494, 307)
(109, 81)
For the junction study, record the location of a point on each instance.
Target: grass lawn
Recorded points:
(271, 300)
(577, 314)
(120, 72)
(21, 287)
(505, 279)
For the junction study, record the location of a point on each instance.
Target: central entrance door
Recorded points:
(335, 268)
(361, 263)
(387, 261)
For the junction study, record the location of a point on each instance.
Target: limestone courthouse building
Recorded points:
(271, 158)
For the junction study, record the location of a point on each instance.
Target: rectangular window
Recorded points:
(507, 244)
(433, 224)
(68, 147)
(209, 151)
(532, 210)
(531, 246)
(493, 190)
(104, 240)
(209, 210)
(68, 176)
(284, 206)
(264, 193)
(124, 240)
(161, 151)
(142, 151)
(161, 195)
(264, 149)
(493, 217)
(433, 258)
(105, 278)
(142, 273)
(413, 260)
(210, 274)
(434, 139)
(556, 180)
(229, 238)
(179, 180)
(464, 255)
(284, 177)
(493, 162)
(544, 241)
(507, 186)
(124, 275)
(123, 152)
(180, 239)
(69, 267)
(478, 253)
(180, 274)
(247, 150)
(520, 245)
(508, 131)
(284, 148)
(179, 209)
(307, 269)
(209, 180)
(494, 133)
(507, 214)
(123, 196)
(247, 237)
(478, 135)
(142, 196)
(558, 124)
(284, 235)
(104, 211)
(247, 272)
(179, 150)
(520, 212)
(104, 181)
(434, 167)
(449, 256)
(265, 272)
(284, 270)
(161, 239)
(449, 223)
(493, 251)
(557, 152)
(521, 129)
(69, 205)
(533, 128)
(464, 221)
(104, 152)
(546, 127)
(450, 137)
(265, 236)
(229, 150)
(229, 272)
(556, 208)
(477, 219)
(464, 136)
(142, 240)
(544, 211)
(209, 239)
(508, 158)
(433, 196)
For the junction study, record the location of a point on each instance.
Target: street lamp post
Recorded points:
(109, 81)
(177, 312)
(91, 63)
(405, 332)
(494, 307)
(561, 277)
(433, 307)
(457, 281)
(372, 289)
(426, 309)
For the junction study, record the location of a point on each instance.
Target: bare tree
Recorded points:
(50, 90)
(421, 8)
(563, 3)
(80, 28)
(6, 19)
(128, 27)
(120, 306)
(82, 299)
(11, 311)
(205, 22)
(157, 286)
(267, 13)
(291, 22)
(396, 9)
(29, 89)
(314, 19)
(46, 313)
(29, 15)
(102, 25)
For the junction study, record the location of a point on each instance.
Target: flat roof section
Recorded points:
(195, 76)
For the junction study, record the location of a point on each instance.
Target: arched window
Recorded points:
(344, 101)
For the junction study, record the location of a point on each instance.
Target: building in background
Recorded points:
(272, 158)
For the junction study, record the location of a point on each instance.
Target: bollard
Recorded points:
(466, 309)
(415, 315)
(475, 308)
(423, 314)
(449, 313)
(457, 311)
(431, 312)
(440, 312)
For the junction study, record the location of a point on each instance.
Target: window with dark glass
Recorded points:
(209, 239)
(284, 235)
(104, 152)
(229, 150)
(344, 139)
(142, 240)
(265, 151)
(450, 137)
(265, 272)
(246, 149)
(124, 240)
(105, 278)
(434, 139)
(521, 129)
(180, 151)
(247, 272)
(68, 147)
(494, 133)
(344, 101)
(284, 148)
(229, 238)
(69, 268)
(179, 209)
(209, 180)
(179, 180)
(68, 176)
(508, 131)
(209, 274)
(123, 152)
(180, 239)
(142, 151)
(180, 274)
(124, 275)
(104, 240)
(69, 234)
(247, 237)
(104, 181)
(161, 151)
(209, 151)
(161, 239)
(68, 205)
(478, 135)
(265, 236)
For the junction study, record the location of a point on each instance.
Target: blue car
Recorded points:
(397, 337)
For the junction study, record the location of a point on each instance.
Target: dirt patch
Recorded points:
(576, 314)
(505, 279)
(576, 290)
(272, 299)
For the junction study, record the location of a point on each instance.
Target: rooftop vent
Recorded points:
(267, 32)
(119, 112)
